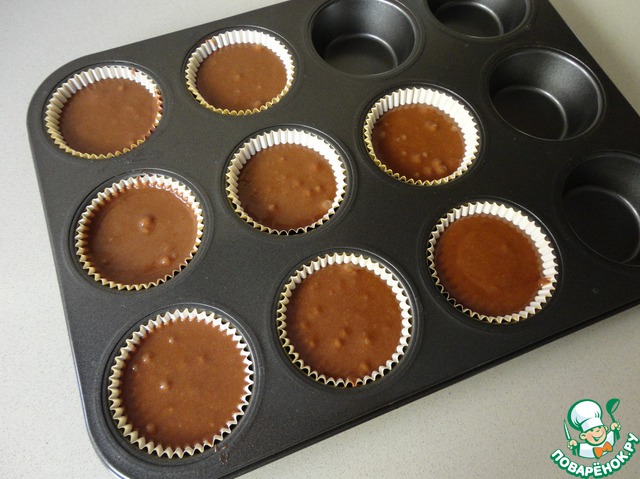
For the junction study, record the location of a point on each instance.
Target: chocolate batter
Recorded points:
(108, 116)
(183, 383)
(419, 142)
(344, 321)
(241, 76)
(488, 265)
(141, 235)
(286, 187)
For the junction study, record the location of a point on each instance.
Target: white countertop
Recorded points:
(504, 422)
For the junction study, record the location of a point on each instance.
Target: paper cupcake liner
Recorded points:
(382, 272)
(435, 98)
(115, 401)
(164, 182)
(285, 137)
(539, 239)
(55, 106)
(235, 37)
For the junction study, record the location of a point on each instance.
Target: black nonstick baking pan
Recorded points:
(555, 143)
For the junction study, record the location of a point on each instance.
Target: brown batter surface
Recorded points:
(488, 265)
(108, 116)
(183, 383)
(344, 321)
(141, 235)
(286, 187)
(241, 76)
(419, 142)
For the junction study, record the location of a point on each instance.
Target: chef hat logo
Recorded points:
(585, 415)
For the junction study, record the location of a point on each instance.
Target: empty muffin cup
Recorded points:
(546, 94)
(601, 202)
(344, 319)
(421, 136)
(103, 112)
(492, 262)
(350, 36)
(286, 181)
(240, 72)
(139, 232)
(180, 383)
(481, 18)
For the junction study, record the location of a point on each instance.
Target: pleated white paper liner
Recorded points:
(437, 99)
(115, 401)
(383, 273)
(102, 198)
(528, 227)
(233, 37)
(285, 137)
(61, 96)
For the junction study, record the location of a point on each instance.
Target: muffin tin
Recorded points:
(554, 144)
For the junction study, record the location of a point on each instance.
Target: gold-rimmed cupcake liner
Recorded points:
(118, 411)
(543, 246)
(233, 37)
(437, 99)
(379, 270)
(57, 102)
(152, 180)
(286, 137)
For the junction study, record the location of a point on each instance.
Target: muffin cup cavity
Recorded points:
(349, 36)
(601, 202)
(273, 138)
(379, 270)
(440, 100)
(83, 229)
(236, 37)
(538, 238)
(546, 94)
(480, 18)
(56, 104)
(115, 398)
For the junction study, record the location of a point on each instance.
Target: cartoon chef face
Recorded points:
(595, 436)
(586, 416)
